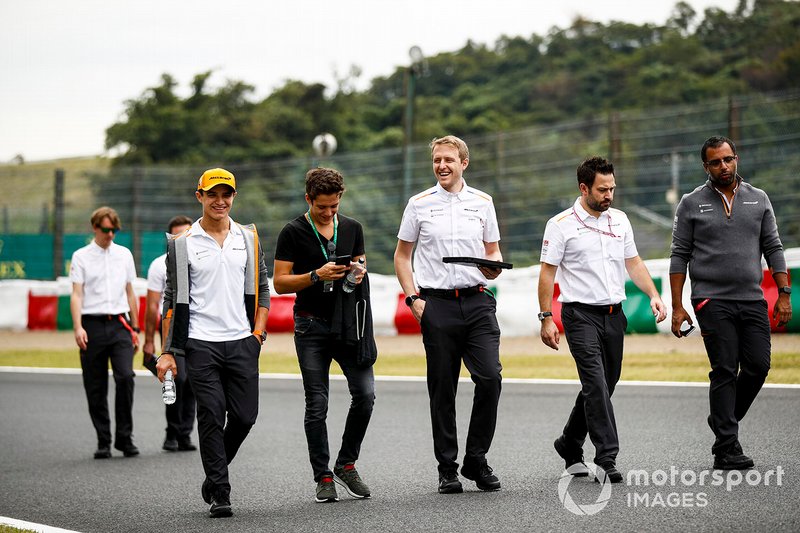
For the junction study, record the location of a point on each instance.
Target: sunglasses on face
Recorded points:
(714, 163)
(108, 230)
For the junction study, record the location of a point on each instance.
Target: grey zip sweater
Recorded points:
(723, 250)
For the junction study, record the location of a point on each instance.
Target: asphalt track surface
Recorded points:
(48, 475)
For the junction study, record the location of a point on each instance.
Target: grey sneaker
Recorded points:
(326, 490)
(347, 476)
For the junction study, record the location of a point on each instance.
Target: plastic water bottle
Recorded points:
(168, 389)
(349, 284)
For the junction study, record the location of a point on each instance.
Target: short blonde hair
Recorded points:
(102, 212)
(452, 140)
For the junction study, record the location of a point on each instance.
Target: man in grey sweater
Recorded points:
(721, 230)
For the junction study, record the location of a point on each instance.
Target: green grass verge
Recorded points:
(644, 367)
(5, 528)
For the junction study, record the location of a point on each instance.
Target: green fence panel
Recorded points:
(637, 308)
(63, 315)
(26, 256)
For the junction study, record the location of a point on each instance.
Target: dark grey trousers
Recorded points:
(596, 340)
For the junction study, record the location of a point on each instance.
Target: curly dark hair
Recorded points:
(322, 180)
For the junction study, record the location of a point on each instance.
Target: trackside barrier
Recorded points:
(32, 304)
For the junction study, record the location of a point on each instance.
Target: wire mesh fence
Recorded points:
(530, 173)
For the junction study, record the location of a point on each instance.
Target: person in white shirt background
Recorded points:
(455, 310)
(588, 248)
(105, 322)
(180, 415)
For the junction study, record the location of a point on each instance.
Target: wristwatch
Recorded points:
(785, 290)
(411, 299)
(261, 335)
(544, 315)
(314, 277)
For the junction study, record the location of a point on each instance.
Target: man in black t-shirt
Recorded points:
(305, 263)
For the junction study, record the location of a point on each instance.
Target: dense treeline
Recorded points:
(571, 73)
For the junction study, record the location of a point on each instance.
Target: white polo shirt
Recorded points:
(216, 292)
(157, 277)
(105, 274)
(590, 254)
(448, 224)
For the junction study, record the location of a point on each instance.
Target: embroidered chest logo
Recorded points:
(705, 208)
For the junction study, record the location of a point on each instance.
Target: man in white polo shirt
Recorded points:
(180, 415)
(587, 248)
(105, 320)
(216, 302)
(456, 313)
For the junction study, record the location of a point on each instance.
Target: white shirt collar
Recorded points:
(456, 194)
(197, 229)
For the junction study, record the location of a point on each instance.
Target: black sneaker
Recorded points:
(347, 476)
(449, 483)
(573, 462)
(170, 444)
(128, 450)
(326, 490)
(733, 459)
(220, 506)
(102, 452)
(482, 475)
(186, 445)
(608, 471)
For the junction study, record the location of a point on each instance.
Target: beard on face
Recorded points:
(722, 181)
(597, 206)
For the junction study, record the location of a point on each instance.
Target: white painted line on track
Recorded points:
(40, 528)
(339, 377)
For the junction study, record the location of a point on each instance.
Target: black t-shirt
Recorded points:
(298, 244)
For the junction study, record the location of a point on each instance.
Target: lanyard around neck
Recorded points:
(608, 233)
(325, 254)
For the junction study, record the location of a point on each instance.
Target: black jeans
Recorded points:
(316, 348)
(224, 376)
(456, 329)
(596, 342)
(738, 344)
(108, 340)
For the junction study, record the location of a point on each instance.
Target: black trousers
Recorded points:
(455, 329)
(738, 344)
(316, 349)
(109, 340)
(595, 336)
(224, 376)
(180, 415)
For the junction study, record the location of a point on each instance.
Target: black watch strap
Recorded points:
(544, 315)
(410, 299)
(314, 277)
(785, 290)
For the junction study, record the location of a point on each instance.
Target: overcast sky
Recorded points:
(67, 66)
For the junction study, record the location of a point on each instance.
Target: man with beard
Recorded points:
(587, 248)
(721, 230)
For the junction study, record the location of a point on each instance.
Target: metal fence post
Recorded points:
(58, 223)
